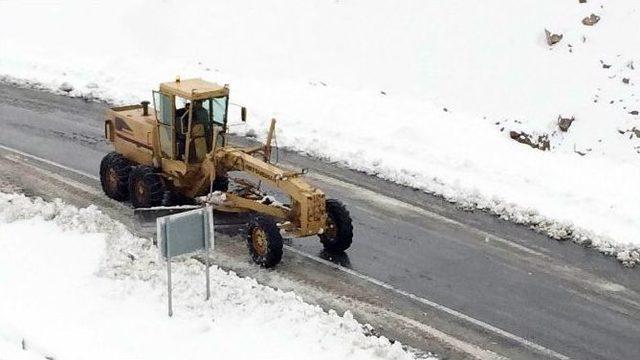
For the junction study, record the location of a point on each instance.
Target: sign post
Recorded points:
(186, 233)
(208, 229)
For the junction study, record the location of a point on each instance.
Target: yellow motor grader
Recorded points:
(170, 154)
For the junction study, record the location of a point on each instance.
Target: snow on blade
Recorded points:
(75, 284)
(424, 93)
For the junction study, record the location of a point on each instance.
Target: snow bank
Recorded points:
(423, 93)
(76, 284)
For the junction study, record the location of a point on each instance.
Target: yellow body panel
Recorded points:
(133, 133)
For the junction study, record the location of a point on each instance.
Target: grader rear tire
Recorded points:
(338, 233)
(146, 187)
(114, 176)
(264, 242)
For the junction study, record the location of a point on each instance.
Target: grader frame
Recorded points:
(152, 167)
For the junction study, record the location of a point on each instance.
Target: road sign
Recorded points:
(185, 233)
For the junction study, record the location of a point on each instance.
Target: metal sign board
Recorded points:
(185, 232)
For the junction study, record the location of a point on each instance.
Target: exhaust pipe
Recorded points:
(145, 108)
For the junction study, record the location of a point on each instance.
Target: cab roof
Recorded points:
(193, 89)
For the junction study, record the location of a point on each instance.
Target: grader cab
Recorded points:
(177, 152)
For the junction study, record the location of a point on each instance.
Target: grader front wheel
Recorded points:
(338, 233)
(264, 242)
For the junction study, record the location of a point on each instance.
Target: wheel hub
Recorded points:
(259, 241)
(331, 230)
(140, 190)
(112, 180)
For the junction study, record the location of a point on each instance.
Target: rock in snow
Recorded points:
(552, 39)
(565, 123)
(66, 87)
(591, 20)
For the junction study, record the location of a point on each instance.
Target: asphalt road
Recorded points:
(563, 297)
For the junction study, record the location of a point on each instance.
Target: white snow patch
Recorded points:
(76, 285)
(366, 84)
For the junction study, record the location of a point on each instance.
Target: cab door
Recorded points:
(165, 114)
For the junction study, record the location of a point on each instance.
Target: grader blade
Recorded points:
(145, 218)
(224, 222)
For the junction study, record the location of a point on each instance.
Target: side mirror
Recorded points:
(243, 114)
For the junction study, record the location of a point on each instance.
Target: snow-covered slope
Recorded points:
(421, 92)
(77, 285)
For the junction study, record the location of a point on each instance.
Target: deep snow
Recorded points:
(367, 83)
(76, 285)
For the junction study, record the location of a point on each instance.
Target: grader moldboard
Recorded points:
(167, 155)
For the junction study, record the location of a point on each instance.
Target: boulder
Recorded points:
(591, 20)
(66, 87)
(552, 39)
(565, 123)
(541, 143)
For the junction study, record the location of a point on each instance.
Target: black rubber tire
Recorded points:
(221, 183)
(114, 176)
(146, 187)
(271, 254)
(341, 237)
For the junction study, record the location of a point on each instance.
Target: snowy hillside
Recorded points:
(76, 285)
(422, 92)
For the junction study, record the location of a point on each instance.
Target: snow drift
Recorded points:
(76, 284)
(423, 93)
